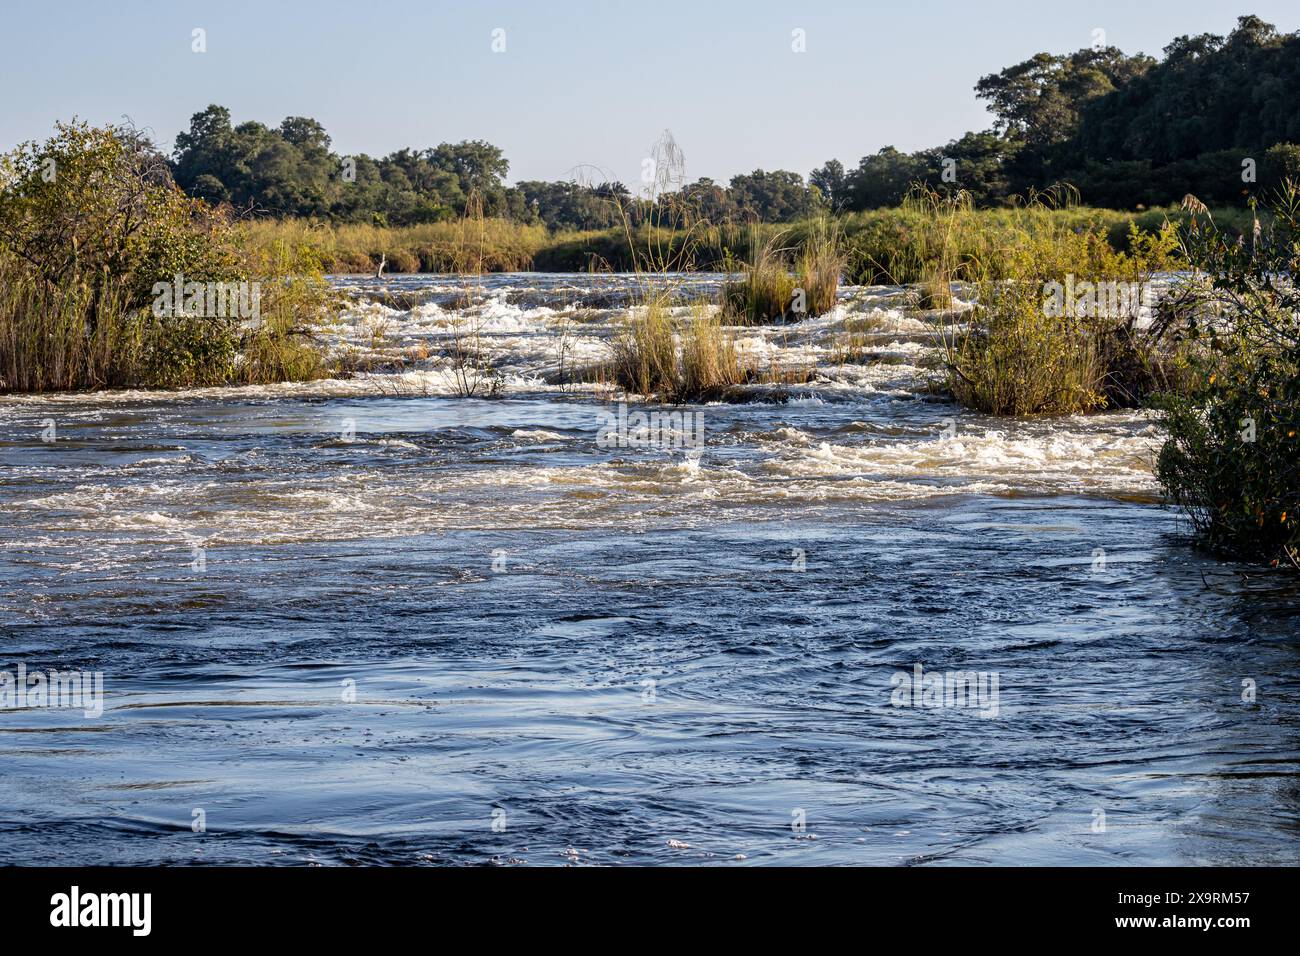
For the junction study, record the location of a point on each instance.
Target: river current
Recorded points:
(375, 620)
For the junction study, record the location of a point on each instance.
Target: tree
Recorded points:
(1039, 100)
(778, 196)
(830, 179)
(884, 178)
(97, 207)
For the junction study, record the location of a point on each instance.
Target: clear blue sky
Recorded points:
(580, 82)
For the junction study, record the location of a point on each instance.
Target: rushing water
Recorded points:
(369, 620)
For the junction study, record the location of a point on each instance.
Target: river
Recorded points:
(373, 620)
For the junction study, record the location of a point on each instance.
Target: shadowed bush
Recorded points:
(1232, 459)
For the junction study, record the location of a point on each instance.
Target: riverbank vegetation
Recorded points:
(883, 246)
(1232, 459)
(91, 228)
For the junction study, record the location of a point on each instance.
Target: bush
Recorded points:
(91, 228)
(1232, 459)
(1016, 360)
(1054, 330)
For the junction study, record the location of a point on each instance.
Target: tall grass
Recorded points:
(56, 338)
(697, 359)
(819, 267)
(69, 337)
(503, 246)
(773, 288)
(645, 351)
(765, 291)
(882, 246)
(711, 360)
(1018, 352)
(919, 243)
(295, 299)
(654, 355)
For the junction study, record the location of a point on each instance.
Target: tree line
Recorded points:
(1216, 116)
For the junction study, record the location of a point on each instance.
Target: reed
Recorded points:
(819, 266)
(1025, 350)
(711, 363)
(56, 338)
(765, 292)
(645, 351)
(882, 246)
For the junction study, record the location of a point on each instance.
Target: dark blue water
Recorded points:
(462, 632)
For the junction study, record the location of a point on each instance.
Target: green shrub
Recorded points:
(1016, 360)
(91, 229)
(1232, 459)
(1054, 330)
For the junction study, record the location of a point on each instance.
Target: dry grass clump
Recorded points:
(710, 362)
(772, 288)
(694, 361)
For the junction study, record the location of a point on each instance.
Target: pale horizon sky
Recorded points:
(580, 84)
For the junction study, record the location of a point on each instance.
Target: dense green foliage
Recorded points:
(1232, 460)
(90, 223)
(290, 171)
(1127, 131)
